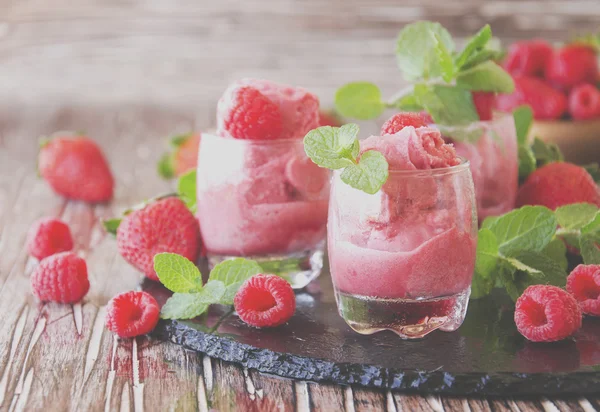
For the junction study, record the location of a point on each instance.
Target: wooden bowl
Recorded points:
(578, 140)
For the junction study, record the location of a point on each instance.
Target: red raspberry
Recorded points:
(60, 278)
(400, 120)
(528, 57)
(76, 168)
(164, 226)
(484, 103)
(584, 102)
(252, 116)
(49, 236)
(265, 301)
(584, 284)
(545, 102)
(572, 65)
(132, 314)
(558, 184)
(547, 313)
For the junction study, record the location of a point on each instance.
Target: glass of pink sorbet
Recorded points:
(403, 258)
(260, 196)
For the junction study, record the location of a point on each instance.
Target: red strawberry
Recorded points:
(545, 102)
(248, 114)
(558, 184)
(572, 65)
(528, 57)
(584, 102)
(76, 168)
(183, 158)
(164, 226)
(484, 103)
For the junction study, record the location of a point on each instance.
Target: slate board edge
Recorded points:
(371, 376)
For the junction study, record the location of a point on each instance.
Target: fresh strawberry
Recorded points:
(329, 118)
(76, 168)
(546, 102)
(484, 103)
(558, 184)
(584, 102)
(528, 58)
(166, 225)
(572, 65)
(183, 157)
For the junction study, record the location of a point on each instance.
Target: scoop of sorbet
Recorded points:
(410, 149)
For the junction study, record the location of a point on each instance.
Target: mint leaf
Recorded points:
(446, 61)
(485, 264)
(557, 251)
(468, 134)
(474, 45)
(177, 273)
(486, 77)
(332, 147)
(534, 268)
(523, 116)
(165, 166)
(233, 273)
(360, 100)
(183, 306)
(186, 189)
(527, 162)
(111, 225)
(369, 174)
(529, 228)
(593, 225)
(408, 103)
(575, 216)
(447, 105)
(489, 222)
(546, 152)
(594, 170)
(416, 49)
(589, 248)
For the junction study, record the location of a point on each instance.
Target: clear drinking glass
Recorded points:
(263, 200)
(403, 259)
(494, 162)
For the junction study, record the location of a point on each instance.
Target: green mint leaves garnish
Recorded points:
(442, 78)
(524, 247)
(338, 148)
(191, 298)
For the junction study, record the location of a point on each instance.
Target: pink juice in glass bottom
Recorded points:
(403, 259)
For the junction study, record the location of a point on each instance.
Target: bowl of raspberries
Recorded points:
(561, 85)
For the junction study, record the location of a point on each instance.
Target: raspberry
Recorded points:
(546, 313)
(528, 57)
(49, 236)
(166, 225)
(132, 314)
(558, 184)
(584, 102)
(572, 65)
(251, 115)
(60, 278)
(545, 102)
(265, 301)
(484, 103)
(76, 168)
(584, 284)
(400, 120)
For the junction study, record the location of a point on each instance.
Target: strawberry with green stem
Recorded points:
(182, 158)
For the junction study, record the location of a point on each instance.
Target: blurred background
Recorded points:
(181, 54)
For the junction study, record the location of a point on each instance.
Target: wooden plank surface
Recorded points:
(130, 74)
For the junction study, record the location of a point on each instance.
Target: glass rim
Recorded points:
(441, 171)
(252, 142)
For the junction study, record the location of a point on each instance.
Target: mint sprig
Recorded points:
(580, 228)
(191, 298)
(338, 148)
(441, 78)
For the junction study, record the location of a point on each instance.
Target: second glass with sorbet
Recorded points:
(263, 198)
(403, 258)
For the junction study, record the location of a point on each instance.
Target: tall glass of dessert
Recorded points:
(259, 196)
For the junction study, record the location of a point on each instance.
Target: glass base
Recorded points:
(408, 318)
(298, 268)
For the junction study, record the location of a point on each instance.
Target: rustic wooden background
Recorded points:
(132, 72)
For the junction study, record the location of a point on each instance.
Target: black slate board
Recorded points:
(486, 356)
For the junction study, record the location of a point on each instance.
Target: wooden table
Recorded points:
(130, 74)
